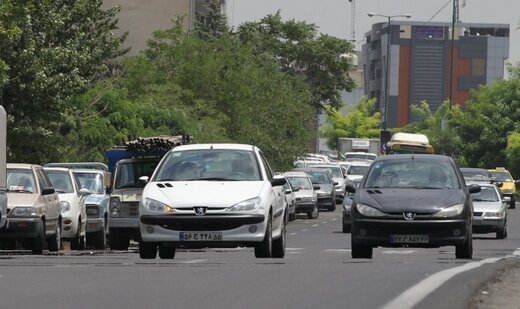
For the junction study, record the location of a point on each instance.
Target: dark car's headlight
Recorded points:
(451, 211)
(369, 211)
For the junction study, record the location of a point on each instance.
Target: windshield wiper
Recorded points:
(424, 187)
(215, 179)
(129, 186)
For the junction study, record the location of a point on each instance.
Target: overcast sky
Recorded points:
(334, 16)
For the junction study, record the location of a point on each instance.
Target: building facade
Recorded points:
(420, 60)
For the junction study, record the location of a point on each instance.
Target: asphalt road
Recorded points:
(317, 272)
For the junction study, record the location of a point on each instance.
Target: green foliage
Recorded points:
(360, 121)
(54, 51)
(212, 24)
(513, 153)
(300, 51)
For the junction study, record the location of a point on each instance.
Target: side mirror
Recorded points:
(108, 179)
(288, 191)
(474, 188)
(350, 188)
(316, 187)
(296, 190)
(278, 180)
(517, 182)
(335, 183)
(47, 191)
(84, 192)
(499, 184)
(144, 179)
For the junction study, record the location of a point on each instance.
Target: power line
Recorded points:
(440, 10)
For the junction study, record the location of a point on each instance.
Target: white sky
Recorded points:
(334, 16)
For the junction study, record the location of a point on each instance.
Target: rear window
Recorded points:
(501, 176)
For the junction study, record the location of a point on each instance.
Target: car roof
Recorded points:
(325, 165)
(21, 165)
(87, 170)
(63, 169)
(474, 169)
(359, 163)
(295, 174)
(214, 146)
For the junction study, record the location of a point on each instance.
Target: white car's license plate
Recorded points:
(200, 236)
(409, 239)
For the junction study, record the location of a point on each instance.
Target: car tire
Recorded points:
(166, 253)
(54, 242)
(265, 248)
(76, 242)
(512, 203)
(292, 217)
(332, 207)
(314, 213)
(360, 251)
(280, 243)
(147, 250)
(465, 251)
(99, 239)
(502, 233)
(118, 239)
(39, 241)
(346, 228)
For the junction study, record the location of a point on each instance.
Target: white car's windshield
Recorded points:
(61, 181)
(21, 180)
(300, 183)
(209, 164)
(427, 174)
(90, 181)
(486, 194)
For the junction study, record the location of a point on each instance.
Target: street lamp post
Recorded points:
(387, 64)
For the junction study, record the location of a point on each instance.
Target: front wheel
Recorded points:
(346, 228)
(147, 250)
(502, 233)
(99, 239)
(166, 252)
(314, 213)
(280, 243)
(54, 242)
(465, 251)
(265, 248)
(118, 239)
(512, 203)
(39, 240)
(360, 251)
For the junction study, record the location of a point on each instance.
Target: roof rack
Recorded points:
(77, 165)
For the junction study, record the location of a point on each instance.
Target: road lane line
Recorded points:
(292, 234)
(414, 295)
(193, 261)
(294, 249)
(334, 219)
(315, 225)
(304, 230)
(338, 250)
(399, 251)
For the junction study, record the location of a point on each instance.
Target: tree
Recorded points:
(59, 47)
(298, 49)
(212, 24)
(513, 153)
(360, 120)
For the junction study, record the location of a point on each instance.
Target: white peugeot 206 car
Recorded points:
(213, 195)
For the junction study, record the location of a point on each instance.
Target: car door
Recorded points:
(79, 199)
(278, 194)
(52, 202)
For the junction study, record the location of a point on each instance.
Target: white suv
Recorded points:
(213, 195)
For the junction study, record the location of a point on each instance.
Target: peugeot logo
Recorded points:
(409, 216)
(200, 211)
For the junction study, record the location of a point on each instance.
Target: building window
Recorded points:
(478, 67)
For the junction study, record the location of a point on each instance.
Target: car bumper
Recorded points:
(235, 229)
(304, 207)
(95, 225)
(324, 202)
(379, 232)
(70, 229)
(18, 228)
(487, 225)
(123, 222)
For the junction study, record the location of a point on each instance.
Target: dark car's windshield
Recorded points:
(501, 176)
(319, 177)
(61, 181)
(413, 173)
(486, 194)
(357, 170)
(300, 183)
(209, 164)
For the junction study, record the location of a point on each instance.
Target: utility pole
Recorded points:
(454, 19)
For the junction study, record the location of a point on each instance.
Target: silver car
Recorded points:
(489, 211)
(337, 176)
(306, 196)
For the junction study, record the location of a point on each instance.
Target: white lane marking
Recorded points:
(315, 225)
(292, 234)
(294, 249)
(324, 222)
(333, 219)
(399, 251)
(338, 250)
(517, 252)
(193, 261)
(415, 294)
(304, 230)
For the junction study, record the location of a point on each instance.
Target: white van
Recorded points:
(3, 177)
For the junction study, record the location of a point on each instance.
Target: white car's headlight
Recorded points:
(115, 207)
(23, 212)
(369, 211)
(65, 207)
(247, 205)
(156, 206)
(451, 211)
(493, 214)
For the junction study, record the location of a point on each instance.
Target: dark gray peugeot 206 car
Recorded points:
(412, 200)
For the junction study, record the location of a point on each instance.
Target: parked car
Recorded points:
(508, 187)
(290, 198)
(357, 169)
(34, 212)
(213, 195)
(412, 200)
(326, 194)
(347, 204)
(337, 176)
(306, 196)
(72, 202)
(489, 211)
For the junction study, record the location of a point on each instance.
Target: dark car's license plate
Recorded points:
(409, 239)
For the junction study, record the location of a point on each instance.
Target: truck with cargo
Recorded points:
(128, 164)
(367, 145)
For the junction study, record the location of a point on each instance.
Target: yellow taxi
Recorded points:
(508, 188)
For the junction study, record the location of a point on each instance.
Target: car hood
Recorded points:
(21, 199)
(486, 206)
(303, 193)
(212, 194)
(414, 200)
(327, 188)
(65, 197)
(94, 199)
(354, 177)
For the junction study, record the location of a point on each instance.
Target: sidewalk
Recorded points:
(503, 291)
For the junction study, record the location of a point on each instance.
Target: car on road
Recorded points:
(508, 187)
(72, 202)
(412, 200)
(489, 211)
(356, 170)
(326, 193)
(306, 196)
(359, 156)
(346, 205)
(34, 212)
(213, 195)
(337, 176)
(290, 198)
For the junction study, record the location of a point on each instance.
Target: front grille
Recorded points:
(130, 209)
(477, 214)
(92, 211)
